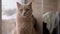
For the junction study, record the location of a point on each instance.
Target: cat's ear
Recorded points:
(29, 4)
(18, 5)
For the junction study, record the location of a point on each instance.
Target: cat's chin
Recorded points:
(24, 16)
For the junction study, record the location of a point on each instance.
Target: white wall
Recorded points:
(10, 4)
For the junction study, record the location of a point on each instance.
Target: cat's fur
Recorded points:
(24, 23)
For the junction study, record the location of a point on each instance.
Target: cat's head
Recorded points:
(25, 10)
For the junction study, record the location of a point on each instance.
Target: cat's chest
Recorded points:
(24, 22)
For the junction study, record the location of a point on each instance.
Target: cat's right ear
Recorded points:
(18, 5)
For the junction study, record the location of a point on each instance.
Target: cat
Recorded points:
(24, 23)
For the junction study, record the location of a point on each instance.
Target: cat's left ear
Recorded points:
(30, 4)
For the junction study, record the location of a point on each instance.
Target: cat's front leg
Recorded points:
(33, 31)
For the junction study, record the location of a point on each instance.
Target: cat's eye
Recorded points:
(21, 9)
(27, 9)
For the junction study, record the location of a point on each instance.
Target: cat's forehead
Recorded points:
(26, 6)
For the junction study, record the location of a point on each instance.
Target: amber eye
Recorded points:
(21, 9)
(27, 9)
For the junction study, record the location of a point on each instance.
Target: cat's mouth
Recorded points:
(25, 15)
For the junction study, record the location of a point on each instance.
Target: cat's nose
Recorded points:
(25, 13)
